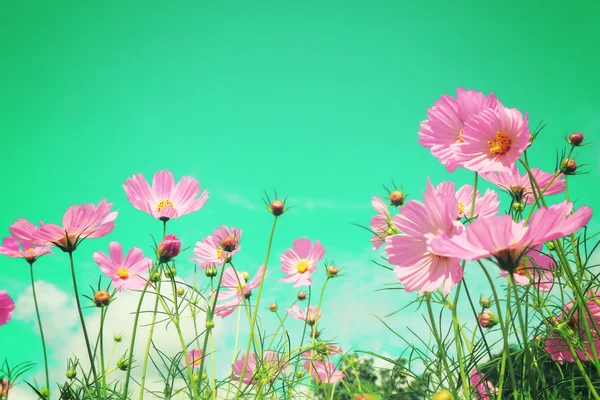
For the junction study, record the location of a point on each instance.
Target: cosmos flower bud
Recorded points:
(299, 374)
(118, 337)
(229, 244)
(155, 277)
(180, 291)
(485, 303)
(397, 198)
(277, 207)
(442, 395)
(315, 333)
(246, 276)
(273, 307)
(170, 272)
(568, 166)
(45, 392)
(210, 324)
(123, 363)
(168, 249)
(550, 246)
(518, 207)
(332, 271)
(101, 298)
(576, 138)
(211, 272)
(487, 319)
(71, 373)
(301, 296)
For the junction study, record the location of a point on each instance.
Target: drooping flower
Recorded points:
(381, 224)
(482, 386)
(493, 140)
(236, 288)
(507, 241)
(571, 326)
(299, 262)
(310, 314)
(265, 371)
(25, 249)
(323, 371)
(419, 268)
(194, 358)
(79, 222)
(7, 305)
(211, 251)
(442, 132)
(125, 273)
(165, 200)
(519, 186)
(535, 268)
(485, 206)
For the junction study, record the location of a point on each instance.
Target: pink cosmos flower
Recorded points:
(235, 288)
(417, 266)
(442, 132)
(483, 387)
(25, 249)
(519, 186)
(507, 241)
(79, 222)
(485, 206)
(381, 224)
(125, 273)
(310, 314)
(266, 371)
(7, 305)
(194, 358)
(493, 140)
(165, 200)
(300, 262)
(535, 268)
(211, 252)
(323, 371)
(573, 328)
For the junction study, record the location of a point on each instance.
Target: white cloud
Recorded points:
(241, 201)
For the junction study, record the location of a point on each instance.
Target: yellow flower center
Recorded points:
(521, 269)
(240, 287)
(123, 273)
(501, 145)
(219, 253)
(439, 257)
(164, 203)
(302, 267)
(461, 208)
(29, 250)
(459, 138)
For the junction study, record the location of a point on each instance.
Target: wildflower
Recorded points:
(7, 305)
(235, 288)
(493, 140)
(519, 186)
(443, 131)
(485, 206)
(15, 248)
(165, 200)
(483, 387)
(381, 224)
(323, 371)
(124, 273)
(194, 358)
(300, 262)
(507, 241)
(310, 315)
(573, 330)
(264, 371)
(168, 248)
(487, 319)
(534, 268)
(79, 222)
(212, 250)
(417, 266)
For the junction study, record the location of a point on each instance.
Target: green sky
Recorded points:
(320, 100)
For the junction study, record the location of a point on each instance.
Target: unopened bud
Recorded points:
(568, 166)
(442, 395)
(170, 272)
(576, 138)
(518, 207)
(485, 303)
(277, 208)
(102, 298)
(246, 276)
(273, 307)
(229, 244)
(301, 296)
(210, 324)
(71, 373)
(332, 271)
(487, 319)
(155, 277)
(315, 333)
(123, 364)
(211, 272)
(299, 374)
(180, 291)
(45, 392)
(169, 248)
(118, 337)
(397, 198)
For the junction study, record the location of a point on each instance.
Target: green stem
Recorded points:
(85, 334)
(39, 319)
(528, 355)
(147, 352)
(441, 347)
(457, 340)
(102, 366)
